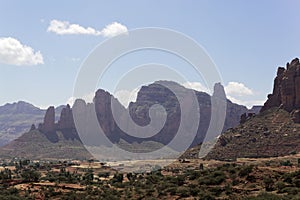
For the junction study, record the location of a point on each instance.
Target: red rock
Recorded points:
(49, 121)
(286, 91)
(66, 120)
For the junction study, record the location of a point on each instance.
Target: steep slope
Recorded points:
(17, 118)
(50, 141)
(275, 131)
(269, 134)
(36, 145)
(150, 95)
(53, 137)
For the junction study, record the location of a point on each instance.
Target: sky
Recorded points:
(43, 44)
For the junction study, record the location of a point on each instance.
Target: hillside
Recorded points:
(35, 145)
(269, 134)
(17, 118)
(149, 95)
(55, 136)
(273, 132)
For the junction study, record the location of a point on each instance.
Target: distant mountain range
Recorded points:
(17, 118)
(61, 132)
(274, 131)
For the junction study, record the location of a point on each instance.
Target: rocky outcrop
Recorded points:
(269, 134)
(148, 96)
(32, 128)
(286, 91)
(49, 121)
(159, 93)
(296, 116)
(272, 132)
(66, 120)
(65, 124)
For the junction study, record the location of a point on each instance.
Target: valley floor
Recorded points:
(272, 178)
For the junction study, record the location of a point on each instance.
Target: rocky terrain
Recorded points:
(63, 130)
(157, 94)
(65, 125)
(17, 118)
(51, 140)
(286, 89)
(273, 132)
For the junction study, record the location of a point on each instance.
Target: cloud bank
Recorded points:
(235, 92)
(197, 86)
(66, 28)
(126, 96)
(13, 52)
(237, 89)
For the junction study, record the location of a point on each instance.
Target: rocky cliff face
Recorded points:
(138, 111)
(57, 132)
(49, 121)
(65, 124)
(275, 130)
(286, 90)
(148, 96)
(66, 120)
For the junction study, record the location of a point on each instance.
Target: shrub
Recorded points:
(264, 196)
(30, 175)
(103, 174)
(286, 163)
(118, 178)
(183, 192)
(214, 178)
(245, 171)
(280, 186)
(204, 195)
(269, 183)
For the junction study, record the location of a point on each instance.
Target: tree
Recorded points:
(88, 177)
(29, 175)
(269, 183)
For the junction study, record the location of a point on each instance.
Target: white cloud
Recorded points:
(235, 92)
(114, 29)
(123, 96)
(88, 98)
(66, 28)
(237, 89)
(196, 86)
(241, 94)
(126, 96)
(247, 103)
(14, 53)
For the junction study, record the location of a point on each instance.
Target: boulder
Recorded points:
(296, 116)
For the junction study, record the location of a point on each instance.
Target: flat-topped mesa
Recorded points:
(286, 91)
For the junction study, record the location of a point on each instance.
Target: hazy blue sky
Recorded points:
(247, 40)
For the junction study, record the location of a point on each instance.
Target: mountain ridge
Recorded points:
(154, 93)
(16, 118)
(275, 131)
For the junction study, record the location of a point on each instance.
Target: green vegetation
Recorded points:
(223, 181)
